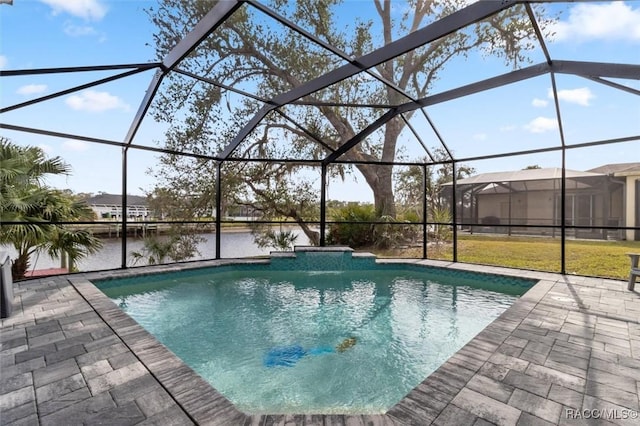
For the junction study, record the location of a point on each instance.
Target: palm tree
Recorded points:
(24, 198)
(155, 250)
(71, 245)
(176, 247)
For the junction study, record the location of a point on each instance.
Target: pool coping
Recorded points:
(209, 404)
(493, 377)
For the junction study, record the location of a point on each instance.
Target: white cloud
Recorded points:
(92, 101)
(78, 30)
(581, 96)
(74, 145)
(608, 21)
(541, 125)
(480, 136)
(539, 103)
(48, 149)
(31, 89)
(3, 61)
(91, 10)
(508, 128)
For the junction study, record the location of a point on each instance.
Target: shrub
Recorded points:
(280, 240)
(363, 233)
(354, 235)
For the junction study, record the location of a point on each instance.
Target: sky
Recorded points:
(62, 33)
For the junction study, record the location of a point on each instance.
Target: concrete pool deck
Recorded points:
(567, 350)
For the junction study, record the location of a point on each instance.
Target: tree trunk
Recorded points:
(63, 259)
(313, 236)
(383, 192)
(380, 178)
(19, 267)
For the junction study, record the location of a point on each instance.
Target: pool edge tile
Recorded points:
(207, 407)
(484, 347)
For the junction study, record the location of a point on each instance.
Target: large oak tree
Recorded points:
(252, 52)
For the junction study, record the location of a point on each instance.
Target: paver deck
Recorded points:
(566, 353)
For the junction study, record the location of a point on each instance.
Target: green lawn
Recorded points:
(583, 257)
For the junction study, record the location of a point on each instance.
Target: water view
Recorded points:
(233, 244)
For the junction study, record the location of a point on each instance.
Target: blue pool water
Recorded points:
(233, 327)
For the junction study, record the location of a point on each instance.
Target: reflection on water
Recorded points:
(294, 342)
(233, 244)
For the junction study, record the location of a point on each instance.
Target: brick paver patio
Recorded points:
(567, 350)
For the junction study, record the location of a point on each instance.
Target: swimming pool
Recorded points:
(230, 323)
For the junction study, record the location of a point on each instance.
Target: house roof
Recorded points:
(544, 179)
(524, 175)
(116, 200)
(618, 169)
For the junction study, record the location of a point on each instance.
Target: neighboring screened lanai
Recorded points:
(421, 129)
(528, 201)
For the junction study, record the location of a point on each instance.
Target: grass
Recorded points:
(583, 257)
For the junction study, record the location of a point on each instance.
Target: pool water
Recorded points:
(233, 328)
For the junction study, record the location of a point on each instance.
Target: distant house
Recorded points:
(109, 207)
(241, 213)
(529, 199)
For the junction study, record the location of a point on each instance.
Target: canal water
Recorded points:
(232, 244)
